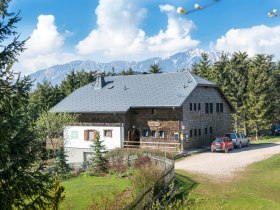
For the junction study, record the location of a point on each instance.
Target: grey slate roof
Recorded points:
(121, 93)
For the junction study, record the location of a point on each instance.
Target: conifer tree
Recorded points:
(43, 98)
(75, 80)
(61, 166)
(98, 162)
(155, 68)
(239, 67)
(129, 71)
(203, 67)
(24, 182)
(260, 93)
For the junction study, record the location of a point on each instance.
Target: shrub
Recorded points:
(145, 178)
(125, 152)
(142, 161)
(118, 165)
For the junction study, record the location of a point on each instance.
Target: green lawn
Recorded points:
(266, 140)
(257, 188)
(83, 190)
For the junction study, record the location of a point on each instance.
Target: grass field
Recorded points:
(266, 140)
(258, 187)
(83, 190)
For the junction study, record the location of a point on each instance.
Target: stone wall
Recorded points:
(198, 124)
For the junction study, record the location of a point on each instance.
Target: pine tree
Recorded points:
(239, 66)
(129, 71)
(259, 93)
(202, 68)
(44, 97)
(98, 162)
(75, 80)
(61, 166)
(24, 182)
(155, 69)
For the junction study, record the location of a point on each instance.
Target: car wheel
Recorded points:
(239, 145)
(226, 150)
(232, 148)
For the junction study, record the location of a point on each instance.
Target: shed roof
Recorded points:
(120, 93)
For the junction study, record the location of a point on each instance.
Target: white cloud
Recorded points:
(43, 47)
(45, 38)
(254, 40)
(166, 8)
(118, 34)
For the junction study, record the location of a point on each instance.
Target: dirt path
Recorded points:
(215, 165)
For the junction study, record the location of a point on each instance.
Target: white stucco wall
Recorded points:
(77, 146)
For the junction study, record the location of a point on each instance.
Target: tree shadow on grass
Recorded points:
(185, 186)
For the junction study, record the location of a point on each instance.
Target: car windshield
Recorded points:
(277, 126)
(231, 136)
(218, 140)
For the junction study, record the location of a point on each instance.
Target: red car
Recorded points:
(222, 143)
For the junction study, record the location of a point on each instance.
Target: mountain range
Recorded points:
(177, 62)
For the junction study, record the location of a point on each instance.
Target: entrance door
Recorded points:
(134, 137)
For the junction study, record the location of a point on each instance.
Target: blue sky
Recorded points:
(61, 31)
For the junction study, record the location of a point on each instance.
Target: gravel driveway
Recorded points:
(215, 165)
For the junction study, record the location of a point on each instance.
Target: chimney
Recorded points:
(99, 82)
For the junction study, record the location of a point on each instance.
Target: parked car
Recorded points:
(275, 129)
(238, 139)
(222, 143)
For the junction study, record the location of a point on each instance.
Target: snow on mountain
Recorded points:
(173, 63)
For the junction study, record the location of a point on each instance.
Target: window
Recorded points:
(108, 133)
(135, 111)
(206, 108)
(195, 132)
(190, 133)
(199, 132)
(205, 131)
(74, 135)
(161, 134)
(194, 106)
(221, 107)
(90, 135)
(198, 106)
(211, 130)
(154, 134)
(190, 106)
(154, 111)
(176, 136)
(211, 107)
(145, 133)
(217, 107)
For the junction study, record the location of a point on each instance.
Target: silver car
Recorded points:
(238, 139)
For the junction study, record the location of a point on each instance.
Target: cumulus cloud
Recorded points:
(118, 34)
(43, 47)
(254, 40)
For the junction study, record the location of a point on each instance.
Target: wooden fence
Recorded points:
(163, 146)
(144, 200)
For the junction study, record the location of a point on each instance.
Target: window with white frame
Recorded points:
(161, 134)
(145, 133)
(108, 133)
(176, 136)
(154, 134)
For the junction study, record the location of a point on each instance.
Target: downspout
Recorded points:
(121, 129)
